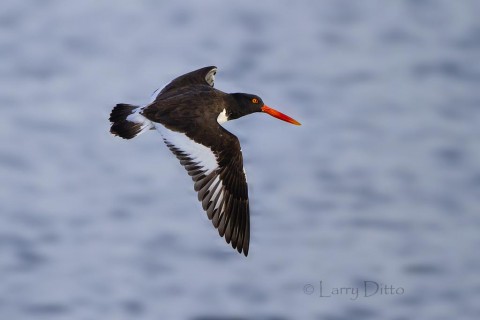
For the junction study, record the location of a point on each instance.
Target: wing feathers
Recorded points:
(222, 189)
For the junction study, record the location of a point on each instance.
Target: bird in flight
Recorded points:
(188, 113)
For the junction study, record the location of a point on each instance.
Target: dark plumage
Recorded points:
(188, 112)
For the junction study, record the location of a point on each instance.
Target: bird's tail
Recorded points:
(127, 122)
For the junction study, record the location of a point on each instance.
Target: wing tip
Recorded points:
(245, 251)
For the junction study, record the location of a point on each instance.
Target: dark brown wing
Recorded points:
(215, 164)
(203, 76)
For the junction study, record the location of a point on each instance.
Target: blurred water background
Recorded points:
(381, 183)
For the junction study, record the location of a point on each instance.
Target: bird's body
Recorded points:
(188, 113)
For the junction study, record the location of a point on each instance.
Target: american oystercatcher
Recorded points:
(188, 112)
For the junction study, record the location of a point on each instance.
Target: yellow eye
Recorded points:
(255, 100)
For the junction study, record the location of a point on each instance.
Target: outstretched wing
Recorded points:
(203, 76)
(216, 168)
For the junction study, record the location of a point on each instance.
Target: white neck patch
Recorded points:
(222, 117)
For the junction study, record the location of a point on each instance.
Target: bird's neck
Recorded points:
(237, 107)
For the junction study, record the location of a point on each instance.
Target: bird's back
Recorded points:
(187, 106)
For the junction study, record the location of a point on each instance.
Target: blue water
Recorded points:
(381, 183)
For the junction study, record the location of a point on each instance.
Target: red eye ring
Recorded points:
(255, 100)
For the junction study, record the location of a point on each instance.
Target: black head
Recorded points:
(245, 104)
(249, 103)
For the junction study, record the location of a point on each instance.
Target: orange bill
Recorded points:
(279, 115)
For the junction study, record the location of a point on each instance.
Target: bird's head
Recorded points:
(250, 103)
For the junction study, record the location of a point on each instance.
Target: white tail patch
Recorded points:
(144, 123)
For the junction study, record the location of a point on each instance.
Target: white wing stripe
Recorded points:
(154, 95)
(210, 77)
(219, 201)
(200, 153)
(217, 188)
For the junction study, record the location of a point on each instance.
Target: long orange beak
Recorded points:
(279, 115)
